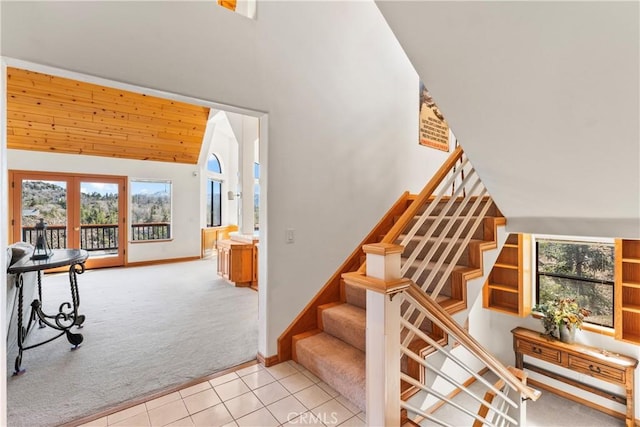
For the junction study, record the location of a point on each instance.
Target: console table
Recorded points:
(67, 315)
(595, 362)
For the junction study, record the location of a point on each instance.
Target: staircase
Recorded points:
(335, 351)
(444, 235)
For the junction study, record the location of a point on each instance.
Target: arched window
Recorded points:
(213, 164)
(214, 192)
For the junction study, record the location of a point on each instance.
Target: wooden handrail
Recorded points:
(423, 197)
(420, 200)
(470, 343)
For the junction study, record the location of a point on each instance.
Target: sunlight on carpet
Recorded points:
(146, 329)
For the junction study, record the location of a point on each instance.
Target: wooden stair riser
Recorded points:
(440, 207)
(439, 251)
(442, 224)
(447, 289)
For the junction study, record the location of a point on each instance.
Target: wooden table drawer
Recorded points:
(597, 370)
(540, 352)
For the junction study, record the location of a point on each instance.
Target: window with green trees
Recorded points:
(580, 270)
(150, 210)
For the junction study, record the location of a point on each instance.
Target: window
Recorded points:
(580, 270)
(150, 210)
(214, 203)
(214, 192)
(213, 165)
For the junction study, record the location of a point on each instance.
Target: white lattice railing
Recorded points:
(448, 369)
(451, 370)
(456, 208)
(456, 202)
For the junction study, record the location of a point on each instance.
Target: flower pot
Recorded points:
(567, 333)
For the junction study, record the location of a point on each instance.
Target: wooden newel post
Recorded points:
(383, 333)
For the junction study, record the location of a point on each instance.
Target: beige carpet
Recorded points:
(146, 329)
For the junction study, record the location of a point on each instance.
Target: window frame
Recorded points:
(603, 329)
(210, 214)
(213, 176)
(169, 236)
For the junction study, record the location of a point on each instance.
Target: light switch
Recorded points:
(290, 235)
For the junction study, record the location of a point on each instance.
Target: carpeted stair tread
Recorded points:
(337, 363)
(355, 295)
(347, 322)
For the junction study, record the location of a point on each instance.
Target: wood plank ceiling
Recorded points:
(60, 115)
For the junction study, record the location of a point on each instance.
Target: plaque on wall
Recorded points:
(434, 130)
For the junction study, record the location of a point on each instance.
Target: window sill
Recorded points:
(135, 242)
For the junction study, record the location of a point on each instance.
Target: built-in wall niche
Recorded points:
(627, 288)
(508, 288)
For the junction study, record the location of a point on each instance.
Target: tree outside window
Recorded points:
(150, 210)
(580, 270)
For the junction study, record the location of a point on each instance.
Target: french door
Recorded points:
(81, 211)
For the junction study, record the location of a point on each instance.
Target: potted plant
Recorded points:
(561, 317)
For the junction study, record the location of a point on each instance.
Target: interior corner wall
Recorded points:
(185, 218)
(343, 140)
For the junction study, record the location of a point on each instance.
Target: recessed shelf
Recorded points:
(509, 266)
(507, 289)
(504, 288)
(632, 308)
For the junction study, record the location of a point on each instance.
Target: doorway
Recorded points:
(81, 211)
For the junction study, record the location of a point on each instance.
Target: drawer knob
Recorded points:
(536, 350)
(595, 369)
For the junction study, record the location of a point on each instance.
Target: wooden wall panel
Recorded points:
(56, 114)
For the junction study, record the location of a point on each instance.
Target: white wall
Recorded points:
(545, 99)
(342, 100)
(343, 120)
(185, 218)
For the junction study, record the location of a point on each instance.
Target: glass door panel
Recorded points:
(99, 218)
(46, 199)
(81, 211)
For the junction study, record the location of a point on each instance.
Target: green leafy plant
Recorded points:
(562, 311)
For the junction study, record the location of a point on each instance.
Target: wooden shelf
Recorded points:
(508, 287)
(627, 290)
(503, 288)
(511, 267)
(631, 308)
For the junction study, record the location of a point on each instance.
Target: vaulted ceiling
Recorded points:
(61, 115)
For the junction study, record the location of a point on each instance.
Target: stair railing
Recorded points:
(464, 364)
(462, 210)
(450, 369)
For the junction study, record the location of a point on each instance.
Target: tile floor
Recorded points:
(282, 395)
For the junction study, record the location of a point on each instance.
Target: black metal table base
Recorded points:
(64, 320)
